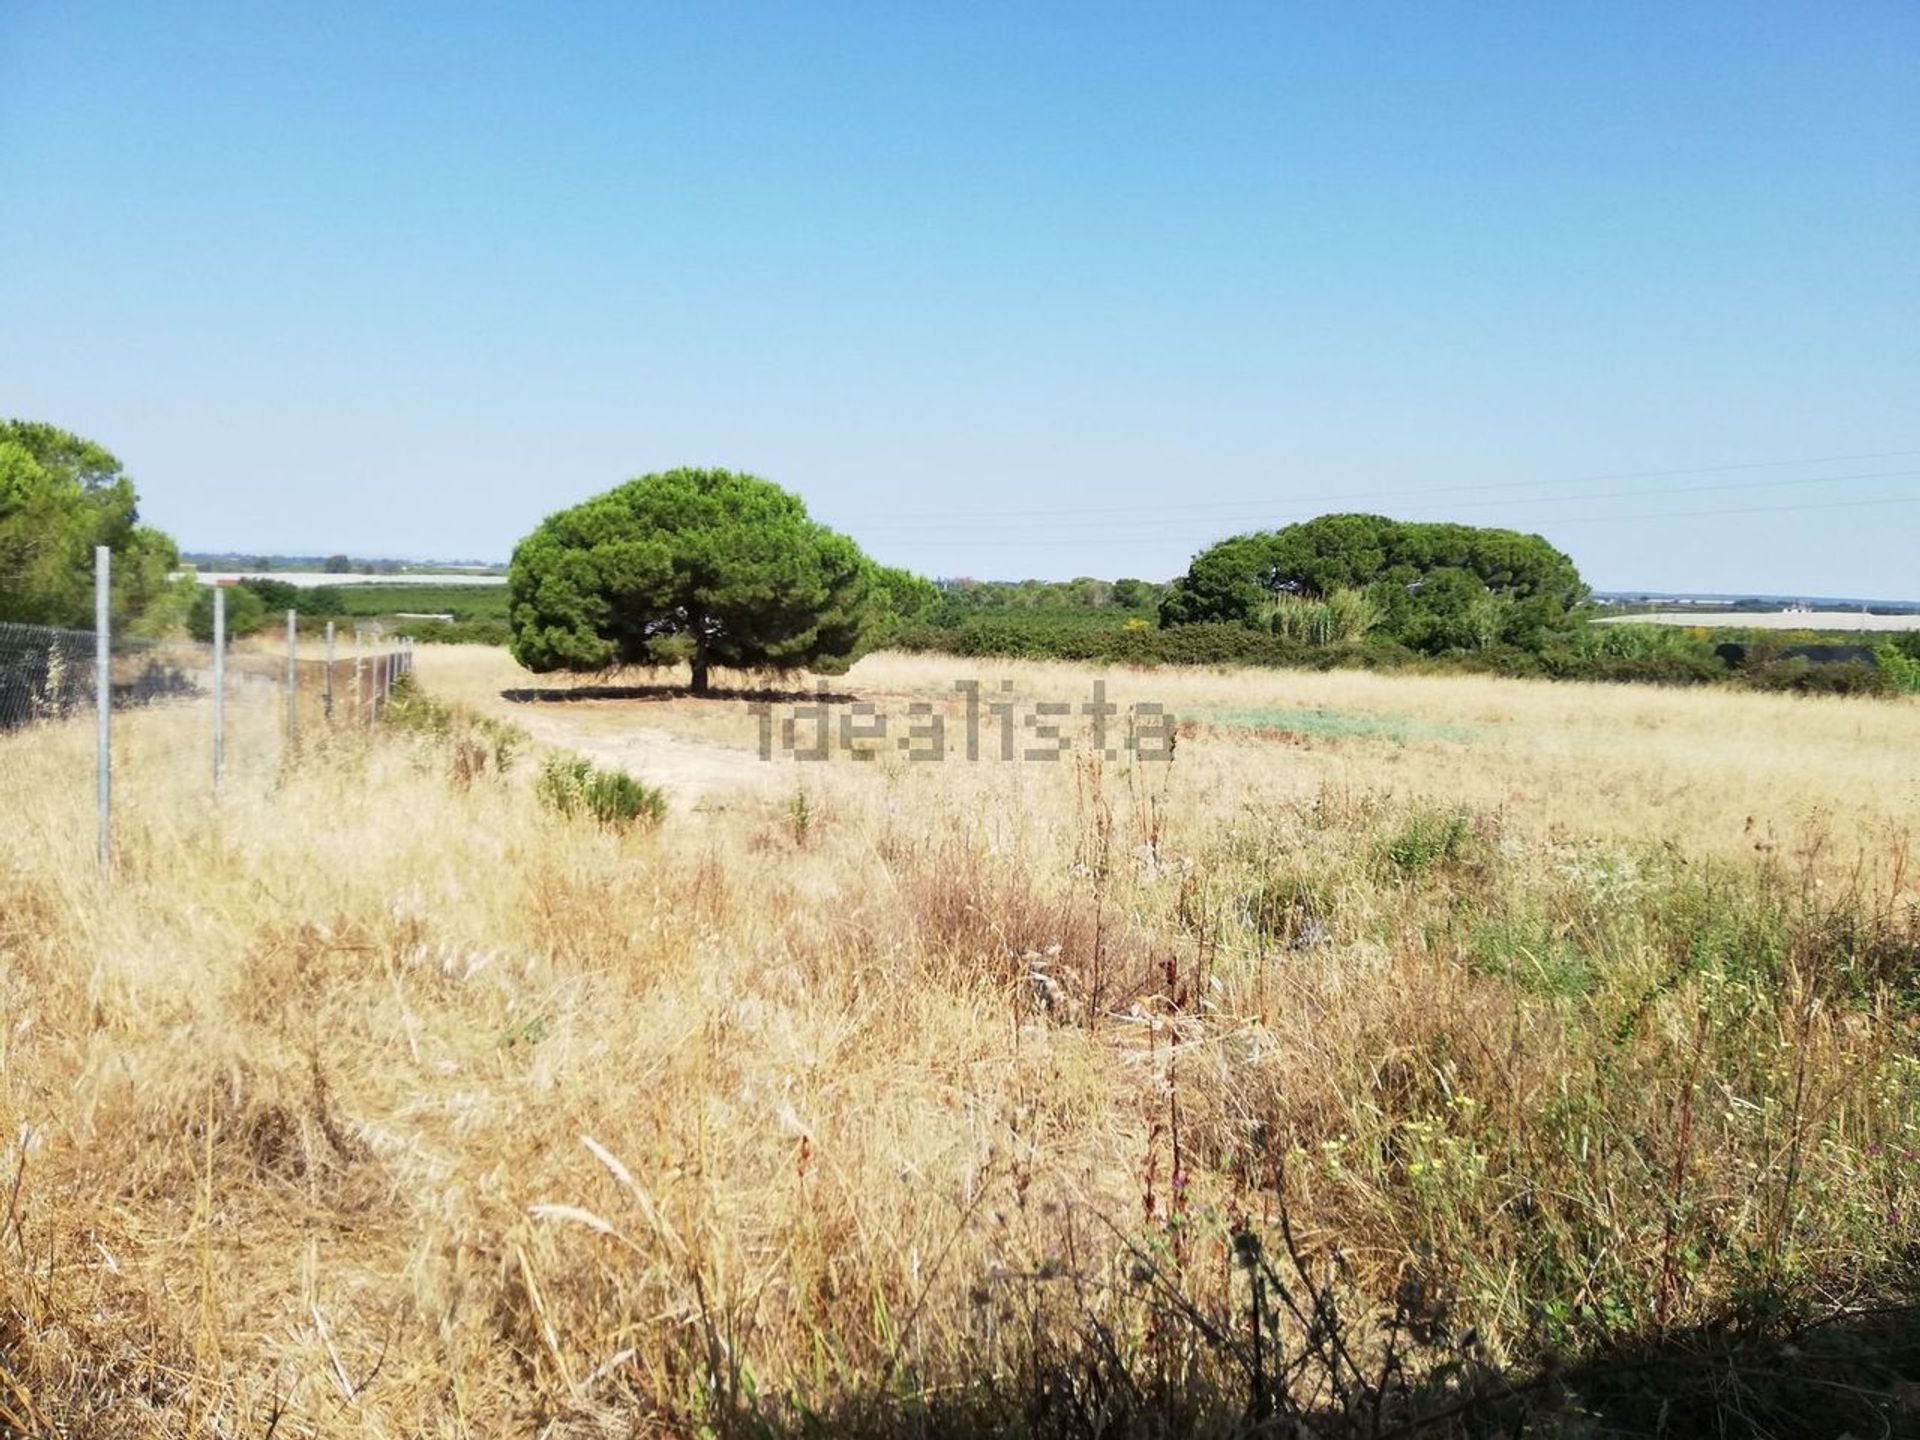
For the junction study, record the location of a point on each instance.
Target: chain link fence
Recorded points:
(88, 711)
(45, 674)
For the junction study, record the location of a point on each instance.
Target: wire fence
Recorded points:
(45, 674)
(79, 701)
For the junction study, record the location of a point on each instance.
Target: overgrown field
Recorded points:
(1404, 1055)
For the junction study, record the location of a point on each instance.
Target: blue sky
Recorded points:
(1001, 289)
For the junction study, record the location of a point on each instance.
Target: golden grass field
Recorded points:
(1402, 1046)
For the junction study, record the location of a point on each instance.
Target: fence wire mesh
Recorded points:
(45, 674)
(168, 717)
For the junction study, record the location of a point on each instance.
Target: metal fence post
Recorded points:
(293, 718)
(359, 666)
(219, 686)
(103, 688)
(328, 701)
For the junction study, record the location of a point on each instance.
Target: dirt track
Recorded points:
(689, 770)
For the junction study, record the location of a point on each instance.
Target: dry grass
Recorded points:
(960, 1098)
(1713, 770)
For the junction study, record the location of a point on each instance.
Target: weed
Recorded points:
(573, 785)
(800, 816)
(477, 743)
(1429, 837)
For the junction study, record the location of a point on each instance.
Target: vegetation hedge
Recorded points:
(1613, 654)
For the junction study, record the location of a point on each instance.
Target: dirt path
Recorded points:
(697, 751)
(690, 771)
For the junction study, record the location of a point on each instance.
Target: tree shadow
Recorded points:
(1852, 1374)
(765, 695)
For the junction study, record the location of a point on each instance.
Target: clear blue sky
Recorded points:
(1001, 289)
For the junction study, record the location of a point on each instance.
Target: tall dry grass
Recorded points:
(1722, 772)
(1072, 1099)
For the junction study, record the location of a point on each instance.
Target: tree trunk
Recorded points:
(700, 670)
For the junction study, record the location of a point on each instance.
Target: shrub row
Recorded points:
(1609, 660)
(487, 630)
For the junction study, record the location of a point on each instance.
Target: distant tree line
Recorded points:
(330, 564)
(962, 596)
(713, 568)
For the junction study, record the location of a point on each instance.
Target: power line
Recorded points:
(1092, 521)
(1164, 538)
(1745, 510)
(1081, 511)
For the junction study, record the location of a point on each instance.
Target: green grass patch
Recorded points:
(1330, 724)
(1525, 947)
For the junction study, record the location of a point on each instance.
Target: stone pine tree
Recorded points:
(1433, 586)
(709, 567)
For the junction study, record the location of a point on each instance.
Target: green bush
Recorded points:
(279, 597)
(1109, 643)
(1636, 642)
(409, 707)
(1677, 667)
(1429, 838)
(479, 742)
(1901, 667)
(1802, 676)
(246, 613)
(575, 786)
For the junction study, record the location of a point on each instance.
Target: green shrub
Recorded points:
(1636, 642)
(279, 597)
(1902, 669)
(246, 613)
(1427, 839)
(1802, 676)
(573, 785)
(1677, 667)
(479, 742)
(1522, 945)
(409, 707)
